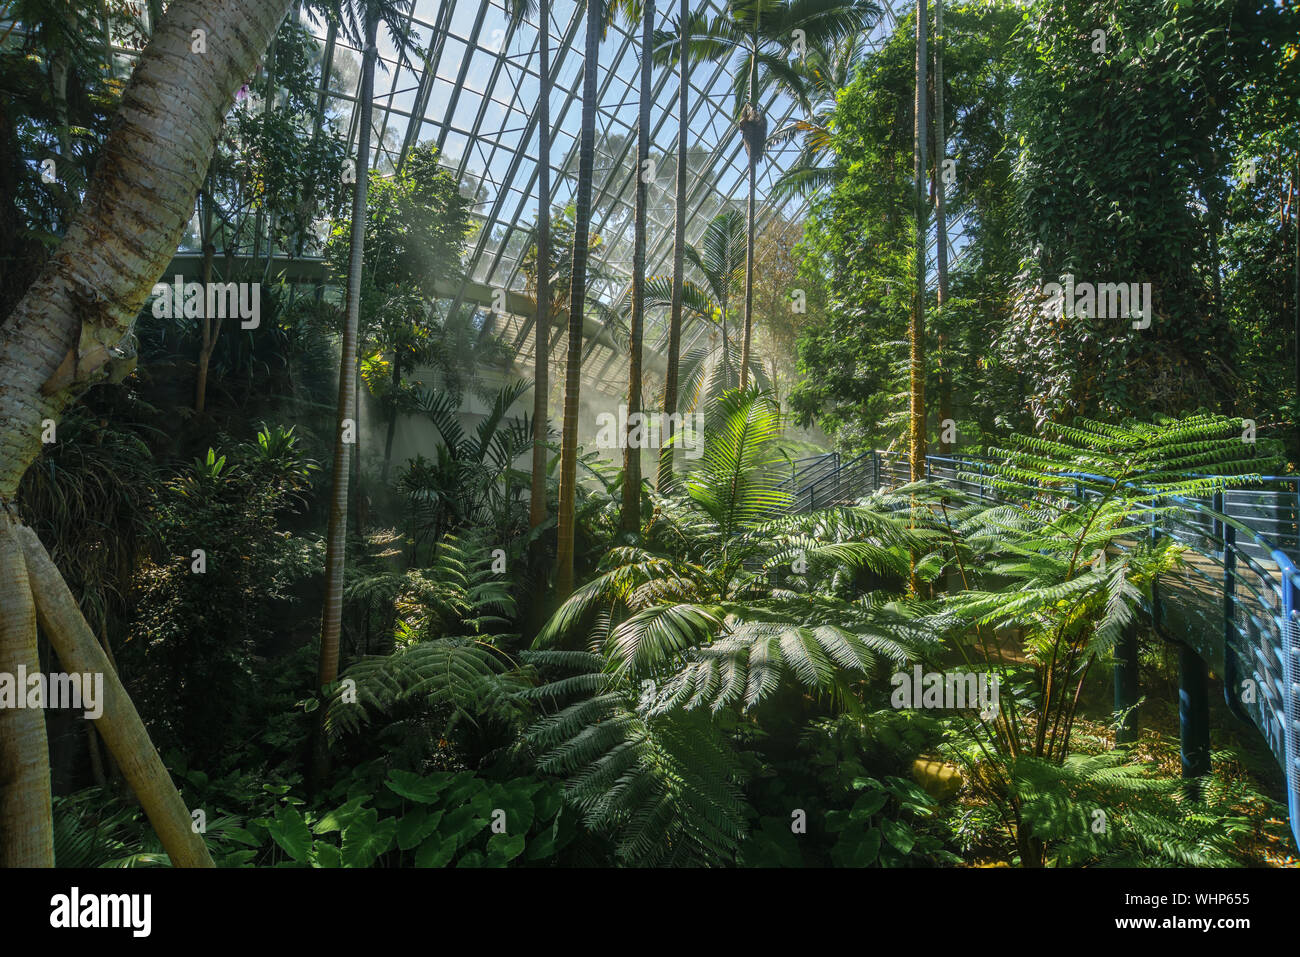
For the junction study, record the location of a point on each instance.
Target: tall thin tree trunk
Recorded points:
(335, 557)
(392, 418)
(941, 225)
(916, 328)
(209, 326)
(26, 827)
(749, 272)
(724, 308)
(631, 516)
(577, 299)
(542, 324)
(679, 250)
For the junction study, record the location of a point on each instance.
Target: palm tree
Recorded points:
(941, 225)
(61, 333)
(694, 616)
(541, 9)
(719, 262)
(577, 299)
(359, 20)
(665, 477)
(826, 70)
(631, 513)
(916, 327)
(692, 40)
(762, 32)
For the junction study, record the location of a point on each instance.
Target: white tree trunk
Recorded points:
(26, 831)
(135, 212)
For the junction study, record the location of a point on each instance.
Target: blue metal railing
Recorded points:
(1235, 601)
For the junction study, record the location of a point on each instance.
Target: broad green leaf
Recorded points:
(436, 851)
(899, 835)
(504, 847)
(290, 831)
(415, 826)
(414, 787)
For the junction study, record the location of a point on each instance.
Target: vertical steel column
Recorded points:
(1126, 685)
(1231, 669)
(1193, 712)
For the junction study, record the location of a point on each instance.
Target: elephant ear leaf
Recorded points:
(290, 831)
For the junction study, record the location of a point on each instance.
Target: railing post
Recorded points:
(1231, 671)
(1126, 686)
(1193, 712)
(1217, 527)
(875, 470)
(1155, 585)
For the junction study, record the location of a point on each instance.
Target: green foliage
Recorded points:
(1106, 810)
(858, 267)
(1066, 561)
(1112, 148)
(854, 809)
(731, 610)
(195, 634)
(439, 819)
(416, 225)
(473, 481)
(666, 787)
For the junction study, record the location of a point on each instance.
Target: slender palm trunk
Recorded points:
(331, 619)
(631, 516)
(916, 328)
(392, 417)
(542, 324)
(755, 147)
(577, 298)
(209, 326)
(725, 309)
(941, 225)
(749, 272)
(679, 249)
